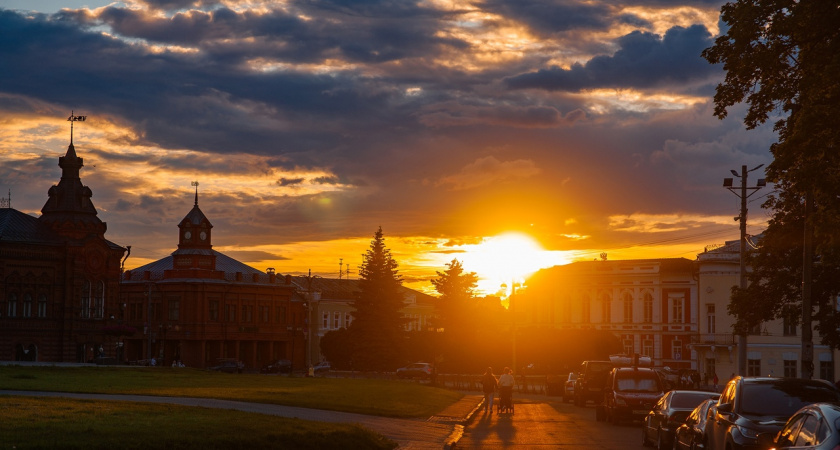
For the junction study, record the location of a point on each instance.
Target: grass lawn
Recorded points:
(389, 398)
(38, 423)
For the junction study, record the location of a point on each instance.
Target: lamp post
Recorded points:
(741, 192)
(310, 306)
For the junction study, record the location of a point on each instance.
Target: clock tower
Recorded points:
(195, 250)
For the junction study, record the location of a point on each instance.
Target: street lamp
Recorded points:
(741, 192)
(310, 305)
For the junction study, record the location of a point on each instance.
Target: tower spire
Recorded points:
(195, 183)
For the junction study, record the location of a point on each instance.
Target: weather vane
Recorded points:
(74, 118)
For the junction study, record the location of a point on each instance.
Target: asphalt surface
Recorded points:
(443, 430)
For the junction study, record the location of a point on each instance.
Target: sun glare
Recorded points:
(507, 259)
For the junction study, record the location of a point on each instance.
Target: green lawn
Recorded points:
(390, 398)
(49, 423)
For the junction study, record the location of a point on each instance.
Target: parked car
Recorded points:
(589, 385)
(629, 393)
(669, 413)
(416, 370)
(691, 435)
(750, 406)
(228, 366)
(814, 427)
(322, 367)
(279, 366)
(569, 387)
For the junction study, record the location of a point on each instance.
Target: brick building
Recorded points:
(198, 305)
(59, 276)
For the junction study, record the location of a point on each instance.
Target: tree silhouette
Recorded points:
(377, 330)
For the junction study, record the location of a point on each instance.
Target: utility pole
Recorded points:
(743, 195)
(807, 261)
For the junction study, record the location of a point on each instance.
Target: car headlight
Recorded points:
(620, 402)
(748, 432)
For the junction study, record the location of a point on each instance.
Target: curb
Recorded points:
(458, 431)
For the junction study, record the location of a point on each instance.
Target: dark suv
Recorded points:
(629, 394)
(753, 405)
(590, 381)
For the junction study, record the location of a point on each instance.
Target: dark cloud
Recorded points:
(554, 16)
(326, 180)
(290, 181)
(644, 60)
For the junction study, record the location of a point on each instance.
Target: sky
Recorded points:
(507, 134)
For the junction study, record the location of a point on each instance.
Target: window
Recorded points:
(325, 323)
(42, 305)
(627, 299)
(85, 304)
(647, 348)
(280, 313)
(790, 368)
(753, 367)
(174, 309)
(347, 320)
(214, 310)
(12, 308)
(789, 324)
(247, 313)
(264, 316)
(710, 370)
(99, 299)
(586, 308)
(648, 307)
(230, 313)
(628, 346)
(27, 305)
(808, 432)
(755, 330)
(676, 349)
(826, 370)
(676, 310)
(710, 318)
(606, 308)
(336, 320)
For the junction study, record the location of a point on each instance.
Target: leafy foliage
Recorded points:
(782, 57)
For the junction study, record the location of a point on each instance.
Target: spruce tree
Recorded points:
(378, 325)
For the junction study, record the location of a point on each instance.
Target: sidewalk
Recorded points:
(440, 431)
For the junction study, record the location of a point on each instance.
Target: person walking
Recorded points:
(489, 383)
(506, 382)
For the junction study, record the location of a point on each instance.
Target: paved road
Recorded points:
(547, 423)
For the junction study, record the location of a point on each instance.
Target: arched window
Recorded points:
(586, 308)
(12, 307)
(99, 299)
(85, 304)
(27, 305)
(648, 307)
(627, 301)
(606, 308)
(42, 305)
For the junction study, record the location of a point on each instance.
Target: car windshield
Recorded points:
(637, 385)
(782, 399)
(689, 400)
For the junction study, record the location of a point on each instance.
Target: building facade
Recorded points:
(198, 306)
(773, 348)
(59, 276)
(649, 304)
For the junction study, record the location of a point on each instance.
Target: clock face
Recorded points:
(187, 235)
(203, 235)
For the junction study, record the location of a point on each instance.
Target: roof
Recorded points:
(224, 263)
(347, 289)
(16, 226)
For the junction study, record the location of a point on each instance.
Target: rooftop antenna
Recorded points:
(340, 267)
(195, 183)
(6, 202)
(74, 118)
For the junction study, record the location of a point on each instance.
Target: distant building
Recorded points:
(649, 304)
(332, 307)
(773, 348)
(198, 306)
(59, 276)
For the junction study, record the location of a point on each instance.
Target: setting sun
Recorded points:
(506, 259)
